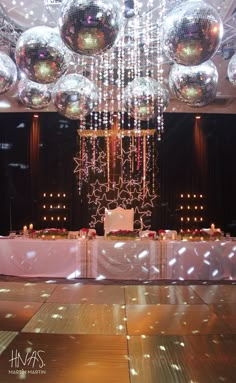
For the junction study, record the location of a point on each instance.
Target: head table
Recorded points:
(141, 259)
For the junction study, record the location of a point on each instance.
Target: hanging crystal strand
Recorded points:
(98, 118)
(160, 117)
(137, 39)
(144, 164)
(121, 58)
(111, 84)
(149, 48)
(153, 165)
(108, 162)
(106, 90)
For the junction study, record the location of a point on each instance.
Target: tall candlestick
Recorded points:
(25, 230)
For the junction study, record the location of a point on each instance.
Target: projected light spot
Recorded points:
(172, 262)
(143, 254)
(206, 262)
(206, 254)
(215, 272)
(118, 245)
(100, 278)
(231, 255)
(190, 270)
(31, 254)
(56, 316)
(120, 327)
(162, 348)
(73, 275)
(176, 367)
(182, 250)
(9, 315)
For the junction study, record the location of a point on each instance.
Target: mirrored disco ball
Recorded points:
(142, 97)
(34, 95)
(8, 73)
(231, 71)
(90, 27)
(192, 33)
(75, 96)
(41, 54)
(194, 85)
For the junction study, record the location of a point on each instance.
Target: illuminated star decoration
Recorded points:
(125, 191)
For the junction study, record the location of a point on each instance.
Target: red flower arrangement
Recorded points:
(84, 230)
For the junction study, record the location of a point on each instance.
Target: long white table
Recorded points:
(45, 258)
(211, 260)
(124, 260)
(128, 260)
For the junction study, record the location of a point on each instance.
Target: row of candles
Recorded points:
(25, 229)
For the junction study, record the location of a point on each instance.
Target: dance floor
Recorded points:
(112, 333)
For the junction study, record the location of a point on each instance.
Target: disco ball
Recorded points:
(41, 54)
(90, 27)
(142, 97)
(34, 95)
(8, 73)
(196, 85)
(232, 70)
(192, 33)
(75, 96)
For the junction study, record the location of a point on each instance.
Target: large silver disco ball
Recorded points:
(192, 33)
(75, 96)
(142, 97)
(232, 70)
(90, 27)
(196, 85)
(8, 73)
(34, 95)
(41, 54)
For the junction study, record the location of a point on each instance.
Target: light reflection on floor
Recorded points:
(88, 331)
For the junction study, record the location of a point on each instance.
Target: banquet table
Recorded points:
(206, 260)
(124, 259)
(45, 258)
(101, 258)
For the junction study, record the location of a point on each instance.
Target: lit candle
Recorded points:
(53, 236)
(212, 227)
(25, 231)
(31, 226)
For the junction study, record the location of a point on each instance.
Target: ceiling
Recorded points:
(18, 15)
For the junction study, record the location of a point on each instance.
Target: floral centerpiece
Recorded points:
(217, 235)
(195, 235)
(123, 234)
(51, 233)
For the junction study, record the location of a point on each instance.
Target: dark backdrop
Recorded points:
(188, 163)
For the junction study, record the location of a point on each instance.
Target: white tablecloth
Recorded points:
(45, 258)
(128, 260)
(211, 260)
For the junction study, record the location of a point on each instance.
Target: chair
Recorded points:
(118, 219)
